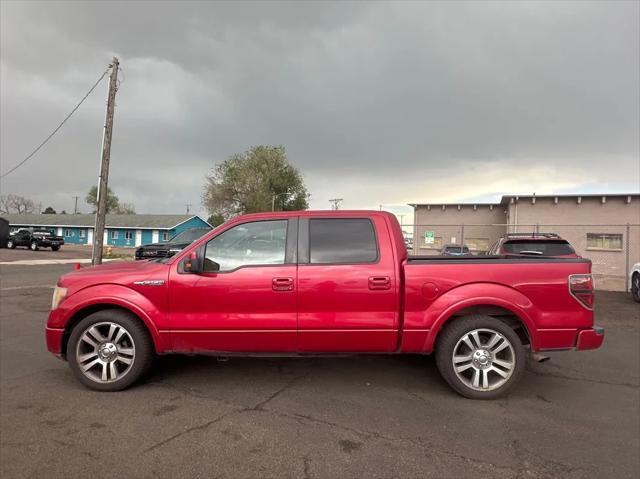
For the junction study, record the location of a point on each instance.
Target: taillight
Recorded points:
(581, 288)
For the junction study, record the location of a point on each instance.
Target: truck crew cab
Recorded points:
(36, 239)
(314, 282)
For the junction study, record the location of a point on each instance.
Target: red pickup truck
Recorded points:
(314, 282)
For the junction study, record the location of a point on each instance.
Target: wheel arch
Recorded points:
(83, 311)
(507, 316)
(498, 301)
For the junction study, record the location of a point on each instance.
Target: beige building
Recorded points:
(604, 228)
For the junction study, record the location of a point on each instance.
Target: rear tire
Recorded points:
(55, 248)
(11, 244)
(34, 246)
(109, 350)
(480, 357)
(635, 287)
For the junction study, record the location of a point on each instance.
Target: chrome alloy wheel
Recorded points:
(483, 359)
(105, 352)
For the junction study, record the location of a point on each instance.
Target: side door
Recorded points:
(22, 238)
(245, 298)
(348, 299)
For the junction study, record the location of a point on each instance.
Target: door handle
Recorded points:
(282, 284)
(379, 282)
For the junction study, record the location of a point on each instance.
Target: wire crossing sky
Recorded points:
(30, 155)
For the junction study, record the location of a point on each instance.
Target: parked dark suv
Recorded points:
(534, 244)
(175, 244)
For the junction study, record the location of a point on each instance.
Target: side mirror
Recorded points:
(192, 263)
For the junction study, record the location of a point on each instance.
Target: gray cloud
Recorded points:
(375, 102)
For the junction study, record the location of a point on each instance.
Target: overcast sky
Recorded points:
(376, 103)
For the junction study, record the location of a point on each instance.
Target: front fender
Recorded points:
(115, 295)
(479, 294)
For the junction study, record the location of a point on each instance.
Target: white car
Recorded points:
(634, 277)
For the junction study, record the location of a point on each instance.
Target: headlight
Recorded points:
(58, 295)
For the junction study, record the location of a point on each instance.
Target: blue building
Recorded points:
(121, 230)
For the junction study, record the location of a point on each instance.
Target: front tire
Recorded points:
(635, 287)
(109, 350)
(55, 248)
(11, 244)
(480, 357)
(34, 246)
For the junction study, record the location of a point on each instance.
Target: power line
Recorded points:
(58, 127)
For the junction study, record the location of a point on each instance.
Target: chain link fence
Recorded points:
(612, 248)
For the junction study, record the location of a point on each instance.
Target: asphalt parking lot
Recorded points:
(67, 252)
(575, 416)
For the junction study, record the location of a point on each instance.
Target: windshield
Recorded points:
(538, 247)
(189, 236)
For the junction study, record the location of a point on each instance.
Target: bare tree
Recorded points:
(16, 204)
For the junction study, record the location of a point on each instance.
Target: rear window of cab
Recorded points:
(538, 247)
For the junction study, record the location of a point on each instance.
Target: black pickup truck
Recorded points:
(175, 245)
(36, 239)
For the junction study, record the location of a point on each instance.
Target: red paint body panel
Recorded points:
(53, 338)
(340, 298)
(242, 303)
(395, 305)
(589, 339)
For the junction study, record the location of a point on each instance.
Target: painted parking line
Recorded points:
(39, 262)
(18, 288)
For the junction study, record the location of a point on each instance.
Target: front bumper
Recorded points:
(590, 338)
(53, 337)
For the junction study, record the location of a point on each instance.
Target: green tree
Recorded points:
(112, 199)
(49, 211)
(215, 220)
(257, 180)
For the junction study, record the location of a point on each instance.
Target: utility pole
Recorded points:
(336, 203)
(103, 179)
(188, 205)
(75, 208)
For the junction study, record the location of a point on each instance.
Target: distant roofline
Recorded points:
(506, 198)
(28, 216)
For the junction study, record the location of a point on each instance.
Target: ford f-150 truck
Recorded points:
(312, 282)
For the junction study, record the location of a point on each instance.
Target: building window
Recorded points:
(477, 244)
(128, 235)
(114, 234)
(83, 233)
(165, 236)
(604, 241)
(68, 233)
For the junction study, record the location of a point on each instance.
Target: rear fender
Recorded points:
(479, 294)
(110, 295)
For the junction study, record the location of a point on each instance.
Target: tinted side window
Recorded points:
(256, 243)
(342, 240)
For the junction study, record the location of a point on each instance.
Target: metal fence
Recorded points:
(612, 248)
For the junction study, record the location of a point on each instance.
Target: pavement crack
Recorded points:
(259, 406)
(371, 435)
(200, 427)
(587, 380)
(306, 464)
